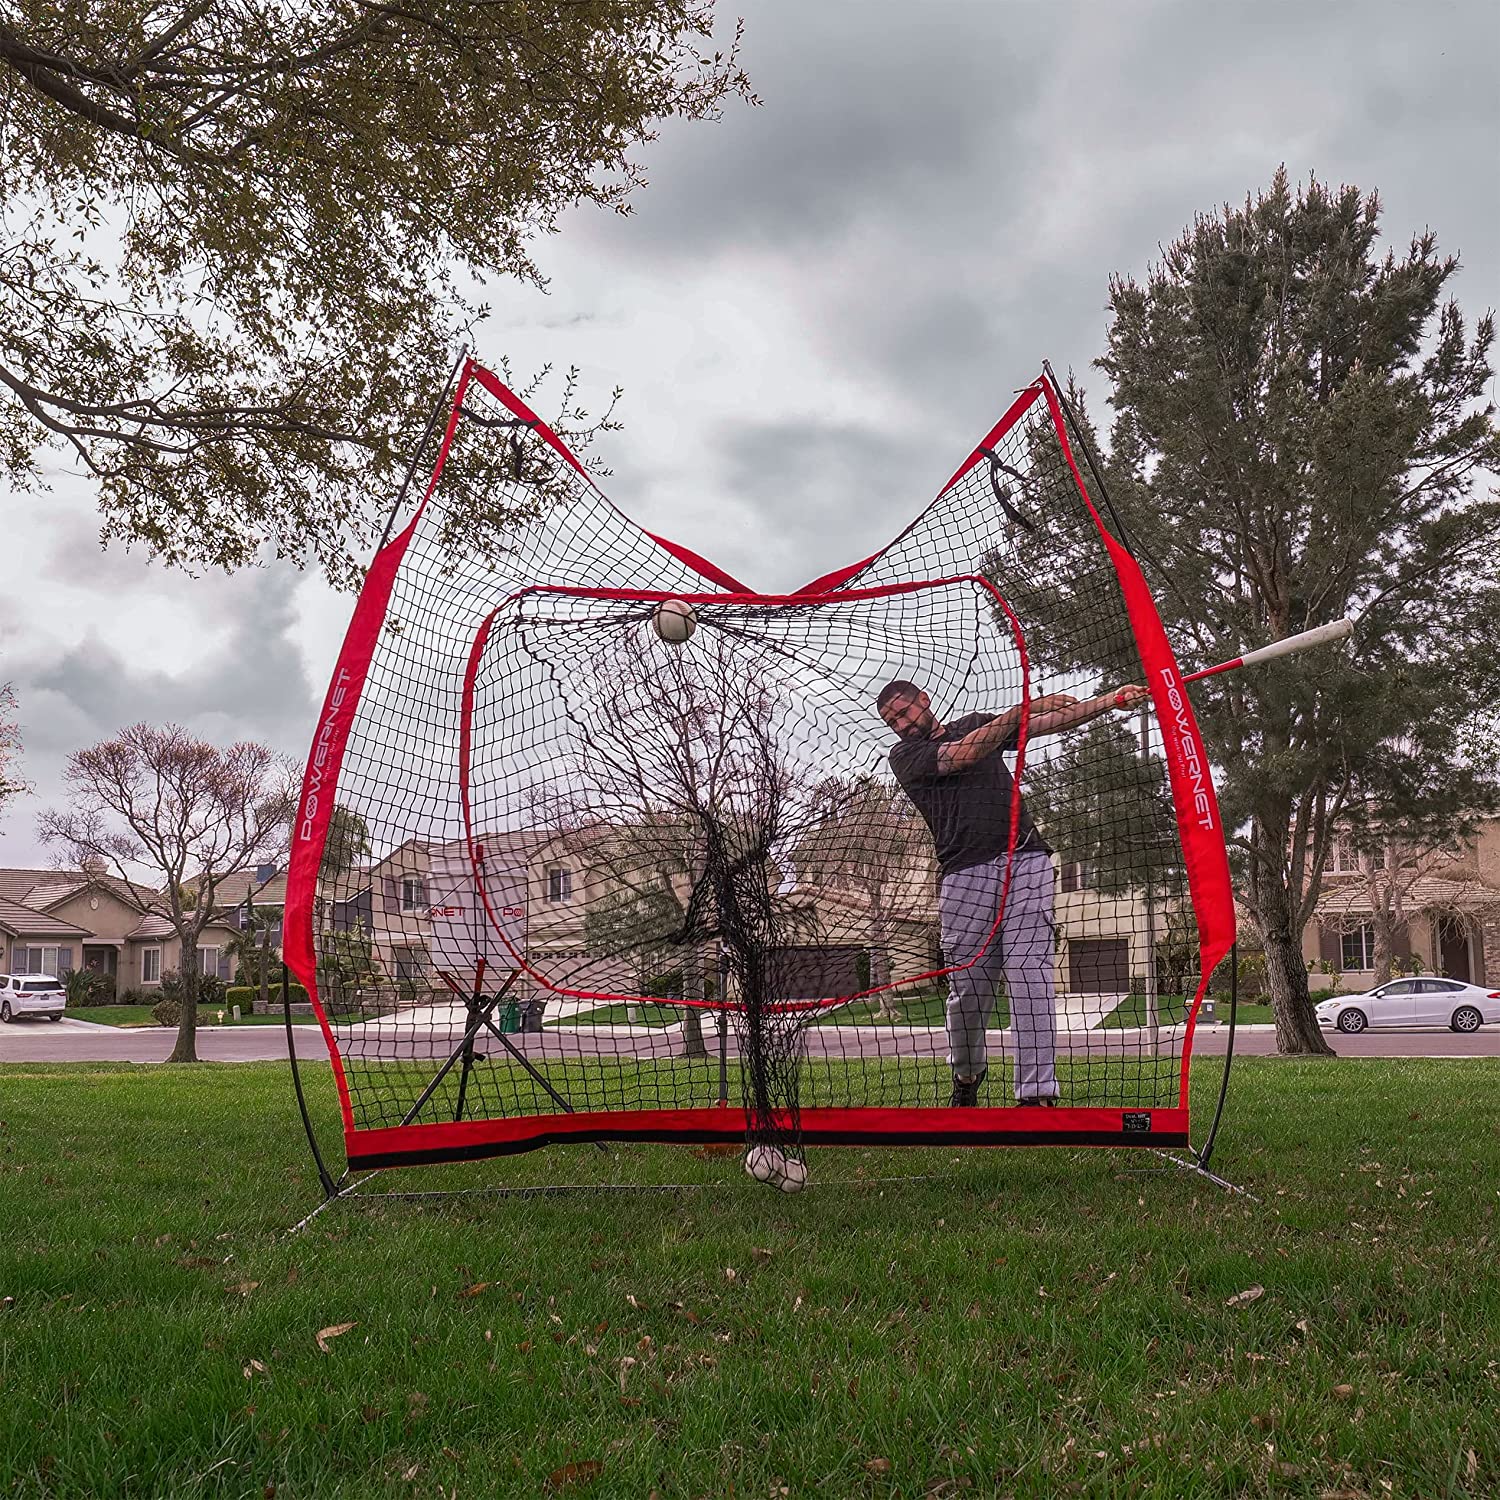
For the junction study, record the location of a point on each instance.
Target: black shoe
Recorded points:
(1049, 1101)
(966, 1095)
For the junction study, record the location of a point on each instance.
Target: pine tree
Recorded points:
(1301, 431)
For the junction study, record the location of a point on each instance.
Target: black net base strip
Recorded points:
(868, 1127)
(566, 866)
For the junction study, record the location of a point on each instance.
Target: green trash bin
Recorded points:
(510, 1017)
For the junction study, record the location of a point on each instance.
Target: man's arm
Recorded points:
(1049, 715)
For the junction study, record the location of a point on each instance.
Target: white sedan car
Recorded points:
(1413, 1002)
(31, 995)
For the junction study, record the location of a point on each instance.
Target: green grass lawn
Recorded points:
(925, 1009)
(140, 1015)
(1172, 1009)
(919, 1323)
(664, 1014)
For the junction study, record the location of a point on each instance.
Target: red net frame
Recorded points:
(381, 1072)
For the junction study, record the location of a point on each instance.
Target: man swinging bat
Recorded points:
(956, 776)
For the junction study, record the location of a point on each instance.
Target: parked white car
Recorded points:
(1413, 1002)
(31, 995)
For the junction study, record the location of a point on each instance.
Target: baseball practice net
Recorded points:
(555, 877)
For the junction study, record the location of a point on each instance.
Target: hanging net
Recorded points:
(557, 877)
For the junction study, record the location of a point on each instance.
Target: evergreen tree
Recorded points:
(1301, 429)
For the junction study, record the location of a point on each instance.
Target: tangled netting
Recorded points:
(557, 878)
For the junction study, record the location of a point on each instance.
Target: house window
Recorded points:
(1358, 948)
(214, 962)
(42, 959)
(413, 893)
(1078, 875)
(150, 965)
(559, 885)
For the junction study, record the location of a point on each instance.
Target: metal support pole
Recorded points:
(330, 1187)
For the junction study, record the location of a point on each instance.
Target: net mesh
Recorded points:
(556, 876)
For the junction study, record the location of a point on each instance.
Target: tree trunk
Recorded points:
(1297, 1030)
(693, 1044)
(265, 971)
(186, 1048)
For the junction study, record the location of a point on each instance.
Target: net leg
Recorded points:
(466, 1042)
(1197, 1166)
(526, 1063)
(468, 1067)
(330, 1188)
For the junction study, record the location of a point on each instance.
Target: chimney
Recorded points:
(264, 874)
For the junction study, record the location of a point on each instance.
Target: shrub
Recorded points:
(167, 1011)
(134, 996)
(211, 988)
(85, 987)
(245, 995)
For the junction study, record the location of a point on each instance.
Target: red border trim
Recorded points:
(326, 757)
(518, 408)
(1016, 410)
(410, 1145)
(1194, 803)
(770, 601)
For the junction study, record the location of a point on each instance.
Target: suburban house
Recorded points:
(55, 920)
(1447, 902)
(847, 933)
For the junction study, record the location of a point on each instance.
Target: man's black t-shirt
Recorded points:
(968, 811)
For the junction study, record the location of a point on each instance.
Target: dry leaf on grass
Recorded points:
(1249, 1295)
(1343, 1392)
(476, 1289)
(877, 1466)
(244, 1288)
(571, 1474)
(336, 1330)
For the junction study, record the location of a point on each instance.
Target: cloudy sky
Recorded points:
(819, 305)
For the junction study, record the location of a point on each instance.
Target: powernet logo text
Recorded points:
(1180, 730)
(321, 750)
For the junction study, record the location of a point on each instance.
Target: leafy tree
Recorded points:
(1300, 427)
(347, 845)
(156, 798)
(869, 835)
(240, 235)
(1099, 802)
(346, 964)
(682, 798)
(10, 746)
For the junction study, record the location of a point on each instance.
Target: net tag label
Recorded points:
(1137, 1123)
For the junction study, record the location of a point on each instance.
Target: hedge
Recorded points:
(246, 995)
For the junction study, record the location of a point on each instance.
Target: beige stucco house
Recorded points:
(1450, 900)
(52, 921)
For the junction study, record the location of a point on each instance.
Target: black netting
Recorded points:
(573, 868)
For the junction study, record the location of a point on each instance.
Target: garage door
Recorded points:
(810, 973)
(1098, 966)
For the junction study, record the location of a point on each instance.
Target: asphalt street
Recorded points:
(82, 1041)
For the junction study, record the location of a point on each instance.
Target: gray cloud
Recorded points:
(248, 684)
(818, 306)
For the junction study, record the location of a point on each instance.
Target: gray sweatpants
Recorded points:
(1023, 951)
